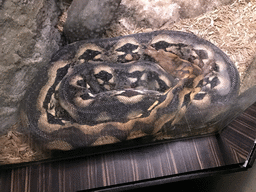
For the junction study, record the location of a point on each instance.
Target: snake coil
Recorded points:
(166, 84)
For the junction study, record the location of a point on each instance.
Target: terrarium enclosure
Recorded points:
(137, 69)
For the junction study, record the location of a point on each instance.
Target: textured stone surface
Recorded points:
(28, 38)
(150, 13)
(193, 8)
(155, 13)
(89, 18)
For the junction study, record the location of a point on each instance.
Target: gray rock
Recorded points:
(28, 38)
(148, 13)
(89, 18)
(154, 14)
(193, 8)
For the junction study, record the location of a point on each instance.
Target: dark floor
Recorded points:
(234, 182)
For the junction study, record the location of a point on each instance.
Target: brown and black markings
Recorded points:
(166, 84)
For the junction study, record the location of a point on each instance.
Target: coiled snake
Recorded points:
(166, 84)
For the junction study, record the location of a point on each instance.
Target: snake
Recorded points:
(162, 84)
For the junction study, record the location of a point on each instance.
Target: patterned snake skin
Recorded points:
(165, 84)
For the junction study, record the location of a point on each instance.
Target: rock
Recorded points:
(89, 18)
(134, 14)
(193, 8)
(28, 38)
(150, 13)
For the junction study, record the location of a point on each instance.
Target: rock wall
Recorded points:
(28, 38)
(89, 19)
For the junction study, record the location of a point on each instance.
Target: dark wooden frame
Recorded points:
(231, 150)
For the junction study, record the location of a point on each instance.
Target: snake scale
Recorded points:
(166, 84)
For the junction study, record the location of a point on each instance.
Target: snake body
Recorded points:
(166, 84)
